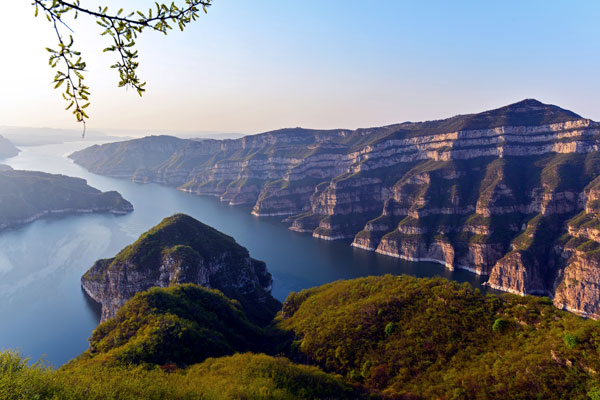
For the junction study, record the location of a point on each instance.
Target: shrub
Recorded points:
(571, 340)
(499, 325)
(390, 328)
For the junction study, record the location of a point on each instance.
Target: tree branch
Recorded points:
(123, 29)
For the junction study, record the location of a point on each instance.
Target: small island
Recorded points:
(29, 195)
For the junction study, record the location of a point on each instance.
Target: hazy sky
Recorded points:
(251, 66)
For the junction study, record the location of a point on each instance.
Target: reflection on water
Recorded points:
(43, 311)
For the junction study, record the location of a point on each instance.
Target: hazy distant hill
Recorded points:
(7, 149)
(23, 136)
(28, 195)
(512, 194)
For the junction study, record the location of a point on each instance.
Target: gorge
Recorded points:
(509, 194)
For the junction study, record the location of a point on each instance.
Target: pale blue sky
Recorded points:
(251, 66)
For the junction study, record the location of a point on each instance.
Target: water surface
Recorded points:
(43, 311)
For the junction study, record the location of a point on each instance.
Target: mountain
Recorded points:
(182, 250)
(386, 337)
(7, 149)
(29, 195)
(509, 194)
(241, 376)
(415, 338)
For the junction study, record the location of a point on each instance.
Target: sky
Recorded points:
(254, 66)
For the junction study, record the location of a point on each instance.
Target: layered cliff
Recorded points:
(28, 195)
(491, 192)
(182, 250)
(7, 149)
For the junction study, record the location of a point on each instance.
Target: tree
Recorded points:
(122, 27)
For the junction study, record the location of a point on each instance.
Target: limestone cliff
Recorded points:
(29, 195)
(182, 250)
(492, 193)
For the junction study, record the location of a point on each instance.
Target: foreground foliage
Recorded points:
(122, 27)
(242, 376)
(433, 338)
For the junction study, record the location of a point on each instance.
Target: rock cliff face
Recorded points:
(28, 195)
(7, 149)
(182, 250)
(500, 193)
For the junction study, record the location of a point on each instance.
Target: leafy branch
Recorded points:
(123, 28)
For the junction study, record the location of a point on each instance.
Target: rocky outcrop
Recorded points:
(28, 195)
(182, 250)
(577, 285)
(491, 193)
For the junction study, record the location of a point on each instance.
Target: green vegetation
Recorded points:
(449, 340)
(122, 28)
(146, 252)
(183, 325)
(242, 376)
(389, 337)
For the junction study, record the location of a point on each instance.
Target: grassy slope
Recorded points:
(183, 324)
(434, 338)
(242, 376)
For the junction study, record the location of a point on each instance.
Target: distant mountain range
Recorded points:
(27, 136)
(512, 194)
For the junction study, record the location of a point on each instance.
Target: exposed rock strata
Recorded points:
(492, 193)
